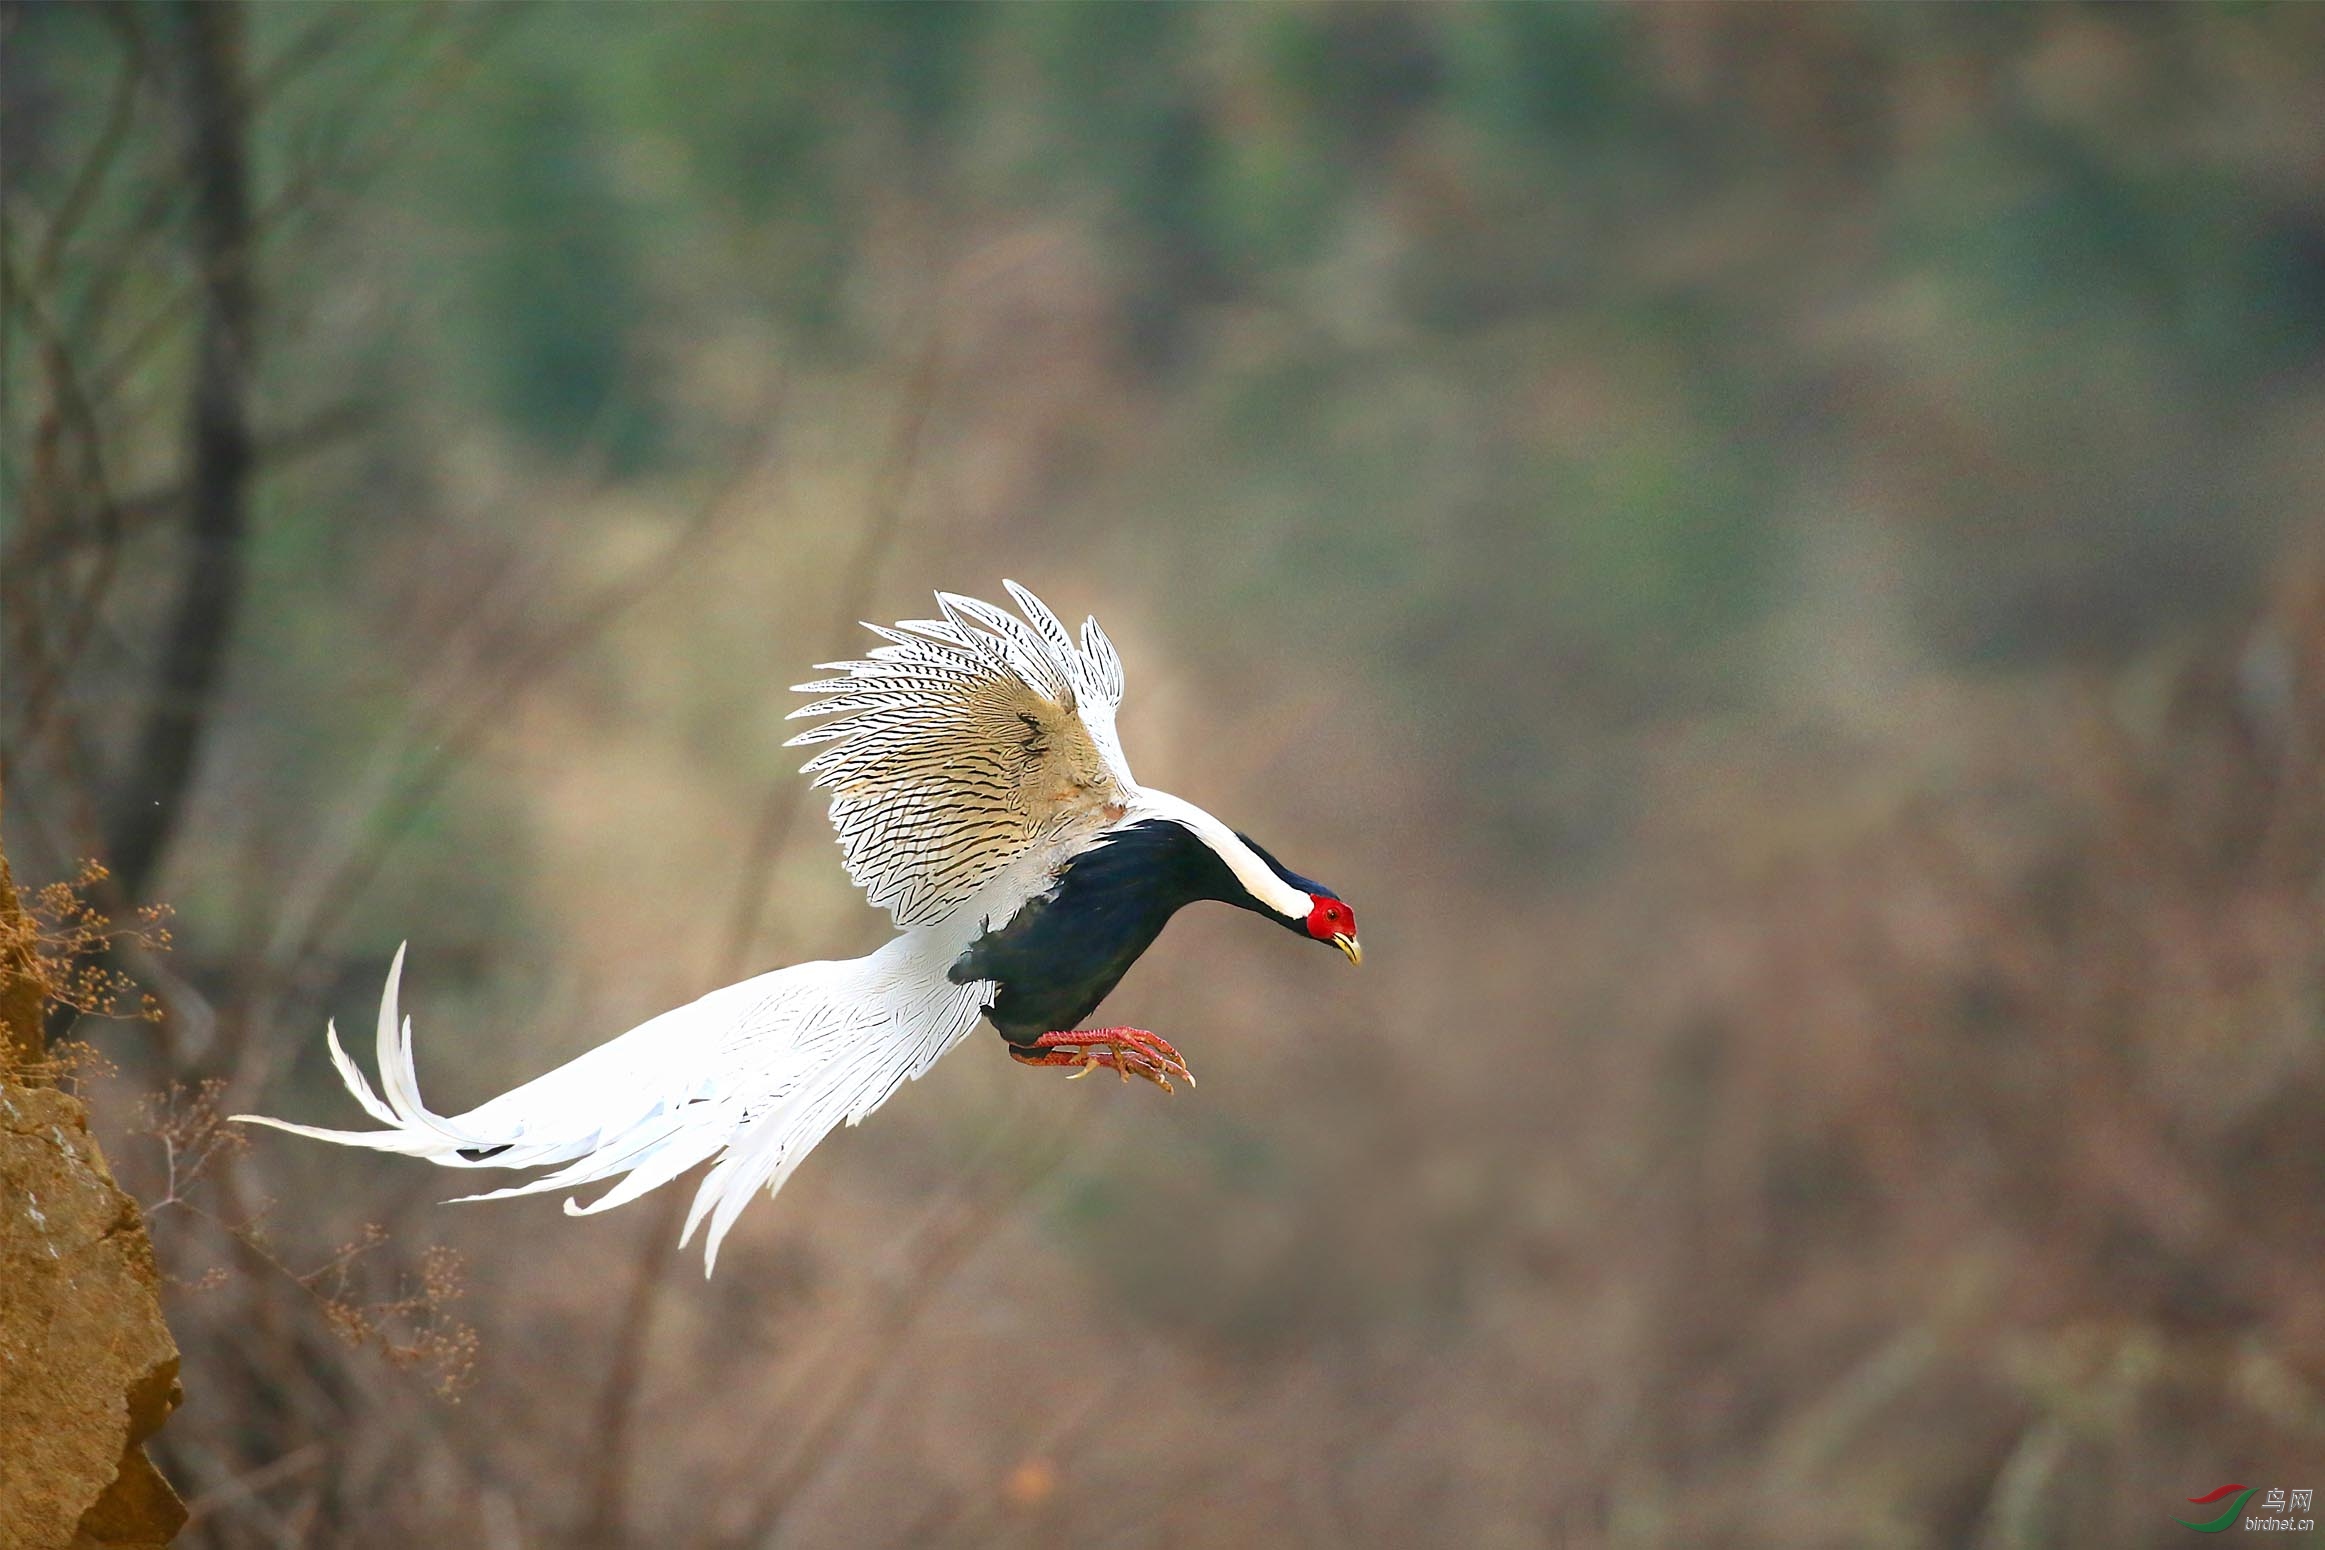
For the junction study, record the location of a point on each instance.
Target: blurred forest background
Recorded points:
(1777, 554)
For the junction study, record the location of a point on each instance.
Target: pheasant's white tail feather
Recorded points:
(759, 1071)
(408, 1143)
(352, 1075)
(848, 1056)
(654, 1171)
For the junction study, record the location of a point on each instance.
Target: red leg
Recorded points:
(1130, 1051)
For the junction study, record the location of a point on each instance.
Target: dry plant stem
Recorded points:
(450, 746)
(948, 1249)
(357, 868)
(885, 1341)
(20, 980)
(244, 1488)
(952, 1234)
(786, 800)
(770, 837)
(313, 911)
(217, 446)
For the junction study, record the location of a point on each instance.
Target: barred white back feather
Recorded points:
(964, 743)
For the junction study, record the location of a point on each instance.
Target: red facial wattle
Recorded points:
(1331, 920)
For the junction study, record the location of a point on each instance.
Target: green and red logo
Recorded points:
(2283, 1508)
(2219, 1524)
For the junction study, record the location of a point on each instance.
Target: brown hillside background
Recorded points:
(1775, 554)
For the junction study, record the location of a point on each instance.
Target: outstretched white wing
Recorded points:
(963, 743)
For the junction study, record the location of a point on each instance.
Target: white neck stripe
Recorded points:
(1258, 878)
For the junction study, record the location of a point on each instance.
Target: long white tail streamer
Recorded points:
(755, 1074)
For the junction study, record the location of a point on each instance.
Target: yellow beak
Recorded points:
(1349, 945)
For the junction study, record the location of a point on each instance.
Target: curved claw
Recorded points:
(1126, 1051)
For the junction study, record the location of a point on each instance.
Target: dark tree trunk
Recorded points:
(150, 792)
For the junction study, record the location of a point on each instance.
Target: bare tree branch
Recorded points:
(140, 510)
(119, 115)
(453, 744)
(74, 409)
(340, 173)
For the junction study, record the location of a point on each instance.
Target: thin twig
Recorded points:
(451, 745)
(342, 176)
(771, 834)
(241, 1488)
(779, 814)
(119, 115)
(74, 405)
(141, 509)
(948, 1246)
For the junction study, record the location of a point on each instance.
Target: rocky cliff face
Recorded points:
(87, 1367)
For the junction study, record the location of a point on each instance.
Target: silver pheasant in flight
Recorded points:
(982, 798)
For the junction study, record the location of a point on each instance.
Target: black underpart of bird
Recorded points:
(1065, 950)
(980, 795)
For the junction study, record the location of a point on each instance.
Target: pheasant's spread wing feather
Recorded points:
(961, 744)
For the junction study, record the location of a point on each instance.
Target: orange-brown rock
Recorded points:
(87, 1367)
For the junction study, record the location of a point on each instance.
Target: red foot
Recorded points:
(1131, 1051)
